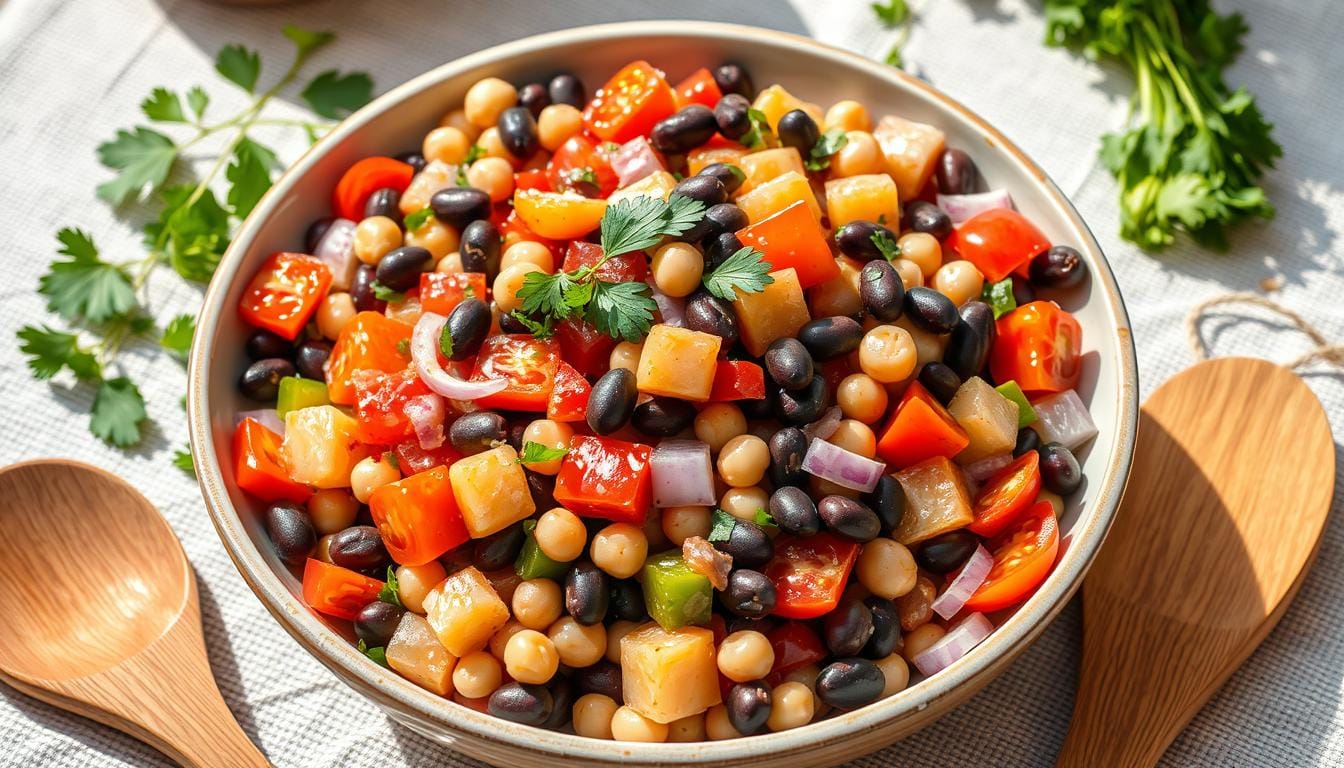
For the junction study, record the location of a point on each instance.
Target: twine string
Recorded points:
(1324, 351)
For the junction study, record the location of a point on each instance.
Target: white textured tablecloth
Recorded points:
(71, 71)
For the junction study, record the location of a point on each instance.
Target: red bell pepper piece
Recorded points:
(369, 342)
(737, 380)
(363, 179)
(630, 103)
(920, 429)
(257, 466)
(569, 396)
(997, 242)
(284, 293)
(795, 646)
(793, 238)
(699, 87)
(606, 478)
(440, 292)
(337, 591)
(626, 268)
(583, 346)
(418, 517)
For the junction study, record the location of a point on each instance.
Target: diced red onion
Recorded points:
(845, 468)
(682, 474)
(825, 426)
(426, 414)
(266, 416)
(964, 584)
(336, 249)
(963, 207)
(986, 468)
(635, 160)
(425, 356)
(671, 308)
(958, 641)
(1064, 419)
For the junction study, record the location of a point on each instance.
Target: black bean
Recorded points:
(498, 550)
(732, 115)
(750, 594)
(1060, 470)
(748, 706)
(718, 249)
(562, 708)
(787, 448)
(887, 500)
(678, 134)
(384, 202)
(707, 189)
(748, 544)
(587, 593)
(851, 519)
(946, 552)
(604, 677)
(401, 267)
(310, 358)
(518, 132)
(930, 310)
(291, 531)
(1023, 293)
(567, 89)
(509, 323)
(359, 548)
(957, 174)
(1059, 267)
(729, 175)
(478, 431)
(315, 232)
(376, 622)
(794, 512)
(850, 683)
(261, 380)
(612, 401)
(886, 637)
(663, 416)
(534, 97)
(797, 129)
(541, 488)
(760, 408)
(517, 429)
(847, 628)
(263, 344)
(627, 601)
(941, 381)
(923, 216)
(459, 206)
(855, 239)
(468, 325)
(414, 159)
(708, 313)
(480, 247)
(722, 218)
(735, 623)
(968, 347)
(803, 406)
(788, 363)
(830, 337)
(881, 290)
(361, 289)
(521, 703)
(1027, 440)
(732, 78)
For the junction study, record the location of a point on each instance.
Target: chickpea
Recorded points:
(822, 488)
(593, 713)
(856, 437)
(860, 155)
(618, 629)
(446, 144)
(743, 460)
(528, 252)
(792, 704)
(477, 675)
(485, 99)
(896, 673)
(742, 503)
(332, 510)
(653, 531)
(552, 434)
(681, 523)
(626, 355)
(370, 474)
(374, 237)
(745, 656)
(458, 119)
(323, 549)
(929, 347)
(492, 175)
(920, 638)
(578, 645)
(923, 249)
(436, 237)
(1055, 500)
(861, 398)
(415, 581)
(909, 273)
(629, 725)
(530, 657)
(718, 423)
(886, 568)
(505, 289)
(959, 281)
(849, 115)
(500, 640)
(450, 264)
(537, 603)
(887, 354)
(690, 728)
(677, 268)
(560, 534)
(333, 313)
(556, 124)
(619, 549)
(493, 146)
(717, 725)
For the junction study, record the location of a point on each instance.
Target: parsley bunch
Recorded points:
(188, 230)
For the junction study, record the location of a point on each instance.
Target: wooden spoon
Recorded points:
(101, 616)
(1231, 485)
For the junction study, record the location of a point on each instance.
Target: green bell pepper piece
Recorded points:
(532, 563)
(296, 393)
(674, 594)
(1026, 415)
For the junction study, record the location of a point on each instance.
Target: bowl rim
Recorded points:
(398, 694)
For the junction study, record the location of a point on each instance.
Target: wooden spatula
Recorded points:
(1230, 489)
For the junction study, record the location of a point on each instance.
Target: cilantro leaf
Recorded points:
(446, 342)
(537, 453)
(745, 271)
(85, 285)
(765, 519)
(163, 106)
(760, 134)
(306, 40)
(886, 246)
(248, 176)
(383, 293)
(377, 654)
(415, 221)
(891, 13)
(621, 310)
(721, 526)
(474, 152)
(198, 100)
(192, 235)
(239, 65)
(636, 223)
(50, 350)
(183, 461)
(999, 297)
(333, 95)
(143, 157)
(391, 591)
(544, 329)
(544, 295)
(830, 142)
(118, 410)
(177, 335)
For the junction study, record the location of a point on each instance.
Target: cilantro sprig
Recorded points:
(760, 136)
(746, 271)
(538, 453)
(829, 143)
(897, 15)
(888, 247)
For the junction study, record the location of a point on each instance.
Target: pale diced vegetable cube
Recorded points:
(436, 175)
(678, 362)
(840, 294)
(869, 197)
(1062, 418)
(774, 102)
(936, 500)
(417, 655)
(768, 164)
(465, 610)
(778, 311)
(771, 197)
(658, 184)
(911, 149)
(321, 447)
(989, 418)
(669, 674)
(491, 490)
(708, 155)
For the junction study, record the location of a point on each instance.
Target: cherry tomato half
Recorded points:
(1038, 346)
(370, 341)
(569, 396)
(581, 164)
(810, 574)
(380, 403)
(1006, 494)
(363, 179)
(998, 241)
(529, 364)
(630, 103)
(284, 293)
(795, 646)
(337, 591)
(699, 88)
(257, 467)
(1022, 559)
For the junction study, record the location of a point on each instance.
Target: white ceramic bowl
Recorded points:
(396, 122)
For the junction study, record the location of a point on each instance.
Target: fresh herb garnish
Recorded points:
(886, 246)
(895, 14)
(403, 347)
(391, 591)
(85, 286)
(543, 330)
(746, 271)
(391, 458)
(999, 297)
(537, 453)
(832, 141)
(765, 519)
(584, 174)
(377, 654)
(183, 461)
(721, 526)
(415, 221)
(474, 153)
(760, 135)
(177, 335)
(383, 293)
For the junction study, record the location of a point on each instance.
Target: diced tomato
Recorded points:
(528, 363)
(626, 268)
(737, 380)
(630, 103)
(1038, 345)
(369, 342)
(698, 88)
(533, 179)
(579, 160)
(363, 179)
(284, 293)
(337, 591)
(920, 429)
(606, 478)
(1006, 494)
(569, 396)
(793, 238)
(440, 292)
(418, 517)
(1022, 559)
(257, 467)
(795, 646)
(413, 459)
(583, 346)
(997, 242)
(810, 573)
(380, 400)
